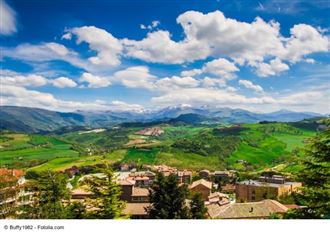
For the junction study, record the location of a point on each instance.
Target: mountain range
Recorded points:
(31, 120)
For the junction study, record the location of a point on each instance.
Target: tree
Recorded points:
(197, 207)
(49, 190)
(168, 199)
(106, 196)
(315, 194)
(76, 210)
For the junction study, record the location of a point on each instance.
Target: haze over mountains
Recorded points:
(25, 119)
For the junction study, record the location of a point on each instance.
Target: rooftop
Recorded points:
(260, 183)
(203, 182)
(136, 208)
(261, 209)
(140, 192)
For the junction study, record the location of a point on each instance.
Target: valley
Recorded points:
(244, 147)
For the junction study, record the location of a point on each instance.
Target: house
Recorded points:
(203, 187)
(204, 174)
(127, 189)
(251, 190)
(74, 170)
(139, 195)
(130, 193)
(228, 188)
(223, 175)
(219, 198)
(184, 176)
(80, 194)
(136, 210)
(250, 210)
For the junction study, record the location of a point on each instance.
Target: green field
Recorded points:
(185, 146)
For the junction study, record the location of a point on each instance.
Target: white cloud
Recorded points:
(305, 40)
(158, 47)
(63, 82)
(220, 67)
(249, 85)
(275, 67)
(135, 77)
(108, 47)
(23, 80)
(191, 73)
(94, 81)
(20, 96)
(213, 82)
(44, 52)
(175, 82)
(214, 97)
(7, 19)
(153, 25)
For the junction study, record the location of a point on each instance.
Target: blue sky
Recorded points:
(135, 55)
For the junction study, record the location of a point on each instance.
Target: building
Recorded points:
(184, 176)
(218, 198)
(250, 190)
(223, 176)
(79, 194)
(250, 210)
(130, 193)
(204, 174)
(136, 210)
(203, 187)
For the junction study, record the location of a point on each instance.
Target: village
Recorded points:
(223, 196)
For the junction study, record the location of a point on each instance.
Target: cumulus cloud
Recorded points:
(23, 80)
(63, 82)
(191, 73)
(108, 47)
(7, 19)
(135, 77)
(44, 52)
(94, 81)
(249, 85)
(275, 67)
(202, 96)
(20, 96)
(158, 47)
(220, 67)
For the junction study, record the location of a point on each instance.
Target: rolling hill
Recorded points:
(30, 120)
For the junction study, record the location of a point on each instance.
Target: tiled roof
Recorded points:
(203, 182)
(140, 192)
(126, 182)
(136, 208)
(261, 209)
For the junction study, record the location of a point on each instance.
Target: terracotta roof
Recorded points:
(136, 208)
(203, 182)
(126, 182)
(140, 192)
(80, 192)
(261, 209)
(218, 194)
(293, 206)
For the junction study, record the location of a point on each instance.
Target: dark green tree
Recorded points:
(106, 196)
(315, 175)
(50, 192)
(168, 199)
(197, 207)
(76, 210)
